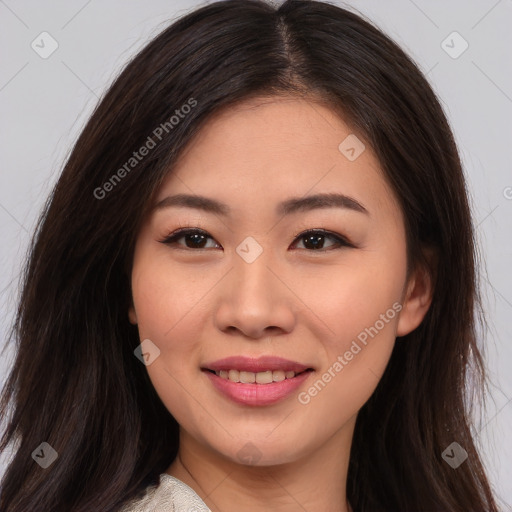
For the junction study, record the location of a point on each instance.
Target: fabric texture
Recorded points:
(170, 495)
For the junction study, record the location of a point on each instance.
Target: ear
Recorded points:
(418, 295)
(132, 315)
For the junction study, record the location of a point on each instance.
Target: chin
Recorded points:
(260, 451)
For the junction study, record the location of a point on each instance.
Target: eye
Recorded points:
(194, 238)
(312, 240)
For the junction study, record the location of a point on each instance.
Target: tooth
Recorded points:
(264, 377)
(247, 377)
(234, 375)
(278, 375)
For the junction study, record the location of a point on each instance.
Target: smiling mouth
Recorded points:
(264, 377)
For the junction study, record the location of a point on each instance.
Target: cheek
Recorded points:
(355, 360)
(350, 299)
(167, 310)
(162, 295)
(168, 307)
(360, 305)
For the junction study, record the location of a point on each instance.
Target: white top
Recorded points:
(170, 495)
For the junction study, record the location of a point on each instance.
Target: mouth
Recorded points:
(256, 382)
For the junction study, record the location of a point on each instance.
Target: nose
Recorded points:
(255, 300)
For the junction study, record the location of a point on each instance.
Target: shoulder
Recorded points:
(169, 494)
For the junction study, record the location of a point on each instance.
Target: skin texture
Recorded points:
(302, 304)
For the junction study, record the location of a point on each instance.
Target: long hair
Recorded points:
(76, 384)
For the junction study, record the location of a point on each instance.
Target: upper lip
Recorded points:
(255, 365)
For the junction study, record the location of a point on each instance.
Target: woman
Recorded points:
(253, 286)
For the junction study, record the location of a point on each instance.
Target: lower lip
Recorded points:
(257, 394)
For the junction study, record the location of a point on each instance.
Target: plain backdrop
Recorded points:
(46, 101)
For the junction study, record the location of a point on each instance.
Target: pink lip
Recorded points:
(256, 394)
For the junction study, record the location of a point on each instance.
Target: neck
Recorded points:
(315, 481)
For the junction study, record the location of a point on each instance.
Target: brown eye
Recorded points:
(314, 240)
(194, 238)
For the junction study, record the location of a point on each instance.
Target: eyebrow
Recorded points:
(288, 207)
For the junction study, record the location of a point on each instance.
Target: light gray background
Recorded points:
(45, 102)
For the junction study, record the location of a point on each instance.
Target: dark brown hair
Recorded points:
(76, 383)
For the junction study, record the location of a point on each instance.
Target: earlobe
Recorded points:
(418, 298)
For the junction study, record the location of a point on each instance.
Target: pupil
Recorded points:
(316, 245)
(197, 239)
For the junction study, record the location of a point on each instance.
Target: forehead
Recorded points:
(270, 148)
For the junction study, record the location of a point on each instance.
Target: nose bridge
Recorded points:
(254, 276)
(255, 299)
(254, 282)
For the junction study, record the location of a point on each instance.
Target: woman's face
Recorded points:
(277, 270)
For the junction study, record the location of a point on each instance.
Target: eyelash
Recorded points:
(180, 233)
